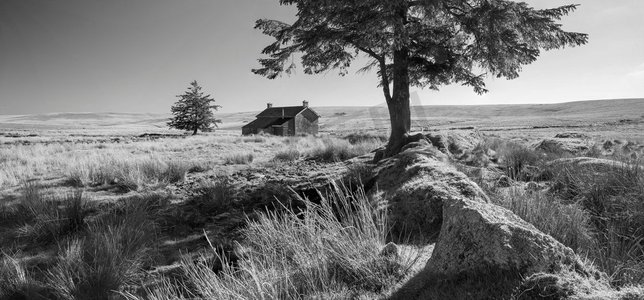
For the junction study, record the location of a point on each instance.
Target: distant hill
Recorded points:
(351, 118)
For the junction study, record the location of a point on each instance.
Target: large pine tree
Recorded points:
(422, 43)
(194, 111)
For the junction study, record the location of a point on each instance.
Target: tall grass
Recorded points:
(332, 149)
(567, 223)
(15, 282)
(110, 256)
(38, 218)
(126, 173)
(331, 248)
(238, 158)
(614, 196)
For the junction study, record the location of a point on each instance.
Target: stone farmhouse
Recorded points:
(284, 121)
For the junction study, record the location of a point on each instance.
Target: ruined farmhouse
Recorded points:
(284, 121)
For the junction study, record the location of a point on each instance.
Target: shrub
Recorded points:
(238, 159)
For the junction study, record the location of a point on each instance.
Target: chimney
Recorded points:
(305, 103)
(269, 105)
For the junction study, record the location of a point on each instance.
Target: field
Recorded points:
(117, 206)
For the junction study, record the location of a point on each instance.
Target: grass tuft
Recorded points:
(238, 159)
(330, 248)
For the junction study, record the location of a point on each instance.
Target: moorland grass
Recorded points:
(41, 219)
(239, 158)
(332, 149)
(614, 197)
(331, 248)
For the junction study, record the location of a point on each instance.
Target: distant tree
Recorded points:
(422, 43)
(194, 111)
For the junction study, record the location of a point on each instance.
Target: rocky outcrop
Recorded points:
(416, 183)
(480, 237)
(482, 251)
(562, 145)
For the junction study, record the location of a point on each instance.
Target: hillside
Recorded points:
(351, 118)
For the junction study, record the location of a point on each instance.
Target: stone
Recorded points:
(415, 183)
(477, 236)
(571, 146)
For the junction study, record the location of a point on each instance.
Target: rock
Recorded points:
(389, 250)
(572, 146)
(415, 183)
(504, 181)
(568, 135)
(477, 236)
(484, 252)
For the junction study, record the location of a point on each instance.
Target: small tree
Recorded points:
(422, 43)
(193, 111)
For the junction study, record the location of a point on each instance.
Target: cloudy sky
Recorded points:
(137, 55)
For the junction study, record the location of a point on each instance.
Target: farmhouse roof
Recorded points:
(266, 122)
(282, 112)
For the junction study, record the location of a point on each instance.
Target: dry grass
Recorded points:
(332, 149)
(41, 219)
(614, 197)
(238, 159)
(331, 248)
(568, 223)
(287, 155)
(109, 256)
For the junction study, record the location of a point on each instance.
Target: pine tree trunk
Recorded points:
(399, 111)
(195, 130)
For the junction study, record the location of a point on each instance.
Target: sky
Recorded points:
(137, 55)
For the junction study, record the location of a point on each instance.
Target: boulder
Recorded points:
(568, 135)
(480, 237)
(561, 145)
(415, 184)
(484, 252)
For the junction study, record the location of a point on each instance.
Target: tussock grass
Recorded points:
(359, 138)
(568, 223)
(15, 282)
(45, 219)
(331, 248)
(215, 197)
(239, 158)
(126, 173)
(287, 155)
(110, 256)
(332, 149)
(614, 197)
